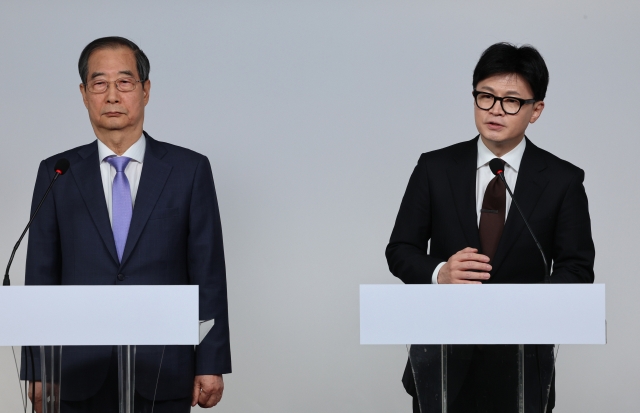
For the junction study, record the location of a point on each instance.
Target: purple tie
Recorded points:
(121, 207)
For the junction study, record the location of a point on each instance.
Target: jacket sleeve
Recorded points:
(407, 252)
(207, 270)
(573, 249)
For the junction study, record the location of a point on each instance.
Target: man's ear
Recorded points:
(83, 92)
(537, 111)
(146, 88)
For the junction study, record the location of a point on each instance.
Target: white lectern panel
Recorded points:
(99, 315)
(483, 314)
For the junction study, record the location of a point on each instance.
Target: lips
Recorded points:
(113, 110)
(494, 125)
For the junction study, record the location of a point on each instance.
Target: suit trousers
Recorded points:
(106, 399)
(416, 406)
(480, 379)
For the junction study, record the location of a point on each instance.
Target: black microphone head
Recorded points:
(496, 165)
(61, 166)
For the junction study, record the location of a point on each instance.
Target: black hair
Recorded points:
(113, 42)
(525, 61)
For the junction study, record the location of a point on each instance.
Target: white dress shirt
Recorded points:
(484, 176)
(132, 171)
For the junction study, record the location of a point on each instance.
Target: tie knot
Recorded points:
(119, 162)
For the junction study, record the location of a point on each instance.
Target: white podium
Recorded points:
(50, 317)
(513, 329)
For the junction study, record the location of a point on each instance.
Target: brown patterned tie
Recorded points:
(492, 216)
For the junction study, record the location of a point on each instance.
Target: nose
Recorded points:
(496, 109)
(113, 94)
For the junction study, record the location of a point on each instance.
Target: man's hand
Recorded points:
(207, 390)
(38, 395)
(465, 267)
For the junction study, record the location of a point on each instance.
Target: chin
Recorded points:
(113, 125)
(494, 137)
(500, 142)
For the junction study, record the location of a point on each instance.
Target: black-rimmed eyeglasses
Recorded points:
(510, 105)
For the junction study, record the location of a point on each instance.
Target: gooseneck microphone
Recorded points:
(497, 167)
(61, 166)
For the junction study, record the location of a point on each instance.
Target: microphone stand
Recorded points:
(547, 276)
(6, 281)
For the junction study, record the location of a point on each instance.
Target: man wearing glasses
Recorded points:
(132, 210)
(455, 224)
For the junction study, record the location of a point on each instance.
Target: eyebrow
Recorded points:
(122, 72)
(508, 93)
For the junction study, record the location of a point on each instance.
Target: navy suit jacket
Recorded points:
(438, 217)
(175, 237)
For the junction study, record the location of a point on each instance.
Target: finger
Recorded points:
(470, 256)
(209, 399)
(470, 275)
(204, 395)
(472, 266)
(202, 400)
(35, 392)
(467, 249)
(195, 396)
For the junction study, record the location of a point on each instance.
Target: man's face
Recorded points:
(114, 110)
(497, 128)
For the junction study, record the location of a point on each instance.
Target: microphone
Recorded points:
(61, 166)
(497, 167)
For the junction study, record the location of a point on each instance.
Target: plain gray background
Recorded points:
(313, 115)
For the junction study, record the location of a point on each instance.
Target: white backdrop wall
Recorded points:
(313, 115)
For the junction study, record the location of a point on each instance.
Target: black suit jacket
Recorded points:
(439, 206)
(175, 237)
(438, 217)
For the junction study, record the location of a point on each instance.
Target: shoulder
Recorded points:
(73, 155)
(450, 155)
(184, 163)
(558, 167)
(171, 153)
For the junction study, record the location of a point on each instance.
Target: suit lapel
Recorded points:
(462, 178)
(529, 186)
(87, 176)
(154, 176)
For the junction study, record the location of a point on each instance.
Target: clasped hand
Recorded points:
(465, 267)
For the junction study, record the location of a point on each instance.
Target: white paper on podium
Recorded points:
(99, 315)
(204, 328)
(483, 314)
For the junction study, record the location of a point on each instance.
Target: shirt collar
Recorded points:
(512, 158)
(135, 152)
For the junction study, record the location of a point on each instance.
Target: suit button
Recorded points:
(120, 277)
